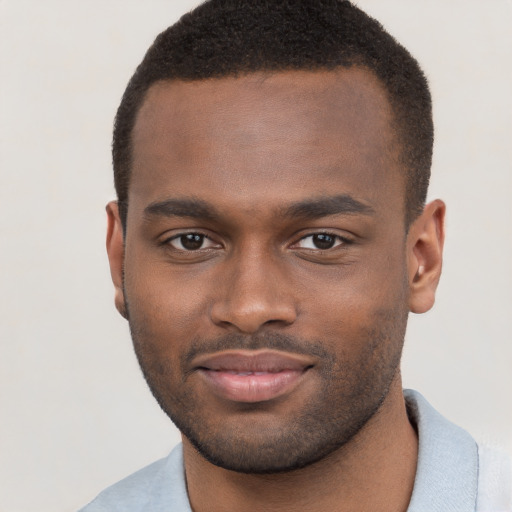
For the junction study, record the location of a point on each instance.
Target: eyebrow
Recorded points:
(193, 208)
(328, 205)
(315, 208)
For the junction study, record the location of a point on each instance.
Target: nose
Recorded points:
(254, 293)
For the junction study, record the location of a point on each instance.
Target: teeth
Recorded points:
(245, 374)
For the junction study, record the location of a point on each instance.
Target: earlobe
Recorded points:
(115, 250)
(425, 242)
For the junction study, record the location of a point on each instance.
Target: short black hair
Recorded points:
(223, 38)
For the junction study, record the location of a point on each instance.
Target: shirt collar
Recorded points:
(169, 489)
(447, 472)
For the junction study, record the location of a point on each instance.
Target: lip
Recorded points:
(252, 376)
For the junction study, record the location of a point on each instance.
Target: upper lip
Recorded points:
(252, 361)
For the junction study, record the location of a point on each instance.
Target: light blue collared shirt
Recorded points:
(453, 474)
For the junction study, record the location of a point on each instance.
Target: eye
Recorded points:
(321, 241)
(191, 242)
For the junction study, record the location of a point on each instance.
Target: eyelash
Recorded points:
(180, 236)
(338, 240)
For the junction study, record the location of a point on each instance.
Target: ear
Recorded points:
(115, 250)
(425, 242)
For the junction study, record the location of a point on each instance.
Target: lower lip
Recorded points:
(259, 387)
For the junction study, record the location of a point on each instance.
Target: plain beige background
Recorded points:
(75, 414)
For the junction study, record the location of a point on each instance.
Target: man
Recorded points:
(270, 237)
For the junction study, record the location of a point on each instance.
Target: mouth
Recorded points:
(252, 376)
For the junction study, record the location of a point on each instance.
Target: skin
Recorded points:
(250, 150)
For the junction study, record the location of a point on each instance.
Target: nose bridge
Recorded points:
(255, 291)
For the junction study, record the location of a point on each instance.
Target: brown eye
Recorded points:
(191, 242)
(321, 241)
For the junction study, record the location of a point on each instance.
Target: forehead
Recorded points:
(290, 131)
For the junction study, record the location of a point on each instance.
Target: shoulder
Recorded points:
(454, 472)
(494, 479)
(155, 488)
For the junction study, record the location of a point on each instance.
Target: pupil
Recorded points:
(323, 241)
(192, 241)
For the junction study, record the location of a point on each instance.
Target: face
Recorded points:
(265, 261)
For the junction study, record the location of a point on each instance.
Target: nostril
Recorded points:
(276, 322)
(250, 318)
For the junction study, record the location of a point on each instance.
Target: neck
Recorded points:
(374, 471)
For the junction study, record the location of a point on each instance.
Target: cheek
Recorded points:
(164, 306)
(349, 303)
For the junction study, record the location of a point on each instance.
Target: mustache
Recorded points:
(265, 340)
